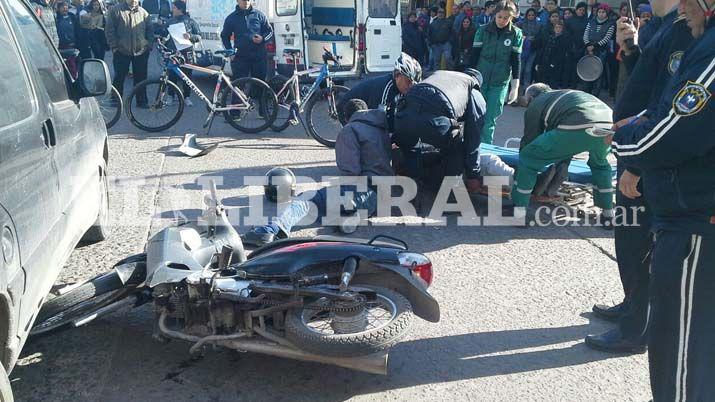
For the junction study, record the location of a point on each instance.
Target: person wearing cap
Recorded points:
(497, 55)
(559, 124)
(650, 68)
(250, 31)
(674, 148)
(193, 34)
(382, 92)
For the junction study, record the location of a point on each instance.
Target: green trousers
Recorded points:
(495, 95)
(557, 145)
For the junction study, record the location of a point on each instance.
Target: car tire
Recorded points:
(5, 388)
(99, 231)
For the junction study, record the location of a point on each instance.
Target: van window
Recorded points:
(16, 99)
(43, 55)
(382, 8)
(286, 7)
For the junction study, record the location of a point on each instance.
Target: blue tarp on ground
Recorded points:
(579, 172)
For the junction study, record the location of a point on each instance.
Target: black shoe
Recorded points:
(605, 223)
(612, 341)
(258, 239)
(612, 313)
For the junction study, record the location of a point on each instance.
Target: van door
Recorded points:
(28, 171)
(288, 33)
(383, 35)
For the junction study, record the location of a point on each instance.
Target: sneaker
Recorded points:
(188, 102)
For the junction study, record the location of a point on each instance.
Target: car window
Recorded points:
(16, 99)
(49, 67)
(382, 8)
(286, 7)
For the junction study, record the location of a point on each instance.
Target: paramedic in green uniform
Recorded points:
(558, 125)
(496, 54)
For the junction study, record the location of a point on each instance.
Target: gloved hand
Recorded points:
(513, 92)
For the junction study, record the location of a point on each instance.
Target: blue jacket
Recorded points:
(242, 25)
(675, 147)
(375, 91)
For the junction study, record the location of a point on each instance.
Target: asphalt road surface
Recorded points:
(515, 303)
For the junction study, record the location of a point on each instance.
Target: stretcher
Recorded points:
(579, 172)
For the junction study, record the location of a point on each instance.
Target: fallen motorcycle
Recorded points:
(326, 299)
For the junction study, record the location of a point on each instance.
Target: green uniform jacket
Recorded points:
(497, 48)
(129, 32)
(567, 110)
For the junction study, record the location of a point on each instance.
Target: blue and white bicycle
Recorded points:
(248, 104)
(320, 101)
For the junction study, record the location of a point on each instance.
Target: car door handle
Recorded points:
(48, 133)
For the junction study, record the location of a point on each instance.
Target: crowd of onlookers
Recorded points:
(555, 39)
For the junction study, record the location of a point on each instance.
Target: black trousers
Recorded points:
(248, 68)
(139, 64)
(97, 43)
(681, 345)
(633, 246)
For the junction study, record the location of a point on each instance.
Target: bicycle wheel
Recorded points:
(111, 107)
(285, 99)
(321, 115)
(260, 111)
(155, 105)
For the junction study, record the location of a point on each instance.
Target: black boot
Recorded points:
(612, 341)
(612, 313)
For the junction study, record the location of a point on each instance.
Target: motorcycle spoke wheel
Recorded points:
(378, 314)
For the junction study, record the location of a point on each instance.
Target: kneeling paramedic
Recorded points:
(363, 148)
(446, 111)
(675, 151)
(557, 126)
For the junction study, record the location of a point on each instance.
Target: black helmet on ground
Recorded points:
(279, 177)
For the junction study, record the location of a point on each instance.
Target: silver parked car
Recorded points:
(53, 163)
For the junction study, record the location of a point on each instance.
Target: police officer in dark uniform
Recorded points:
(250, 30)
(649, 68)
(674, 148)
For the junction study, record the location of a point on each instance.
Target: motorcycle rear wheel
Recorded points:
(86, 298)
(301, 328)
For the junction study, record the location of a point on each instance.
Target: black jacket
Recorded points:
(192, 28)
(576, 26)
(413, 40)
(440, 31)
(243, 24)
(675, 147)
(67, 29)
(375, 91)
(159, 7)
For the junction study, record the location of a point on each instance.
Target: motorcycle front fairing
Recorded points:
(378, 266)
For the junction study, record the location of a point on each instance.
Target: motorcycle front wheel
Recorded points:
(85, 299)
(377, 327)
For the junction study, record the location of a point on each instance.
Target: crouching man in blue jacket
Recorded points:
(675, 150)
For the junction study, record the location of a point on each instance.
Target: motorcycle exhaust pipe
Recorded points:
(373, 364)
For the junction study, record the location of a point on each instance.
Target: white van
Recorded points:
(365, 35)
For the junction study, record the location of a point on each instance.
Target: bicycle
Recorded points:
(110, 105)
(242, 101)
(291, 100)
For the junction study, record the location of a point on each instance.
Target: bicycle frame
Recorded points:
(220, 77)
(294, 83)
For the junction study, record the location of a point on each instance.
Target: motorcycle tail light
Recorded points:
(420, 266)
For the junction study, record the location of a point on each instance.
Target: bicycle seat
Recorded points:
(226, 52)
(67, 53)
(291, 52)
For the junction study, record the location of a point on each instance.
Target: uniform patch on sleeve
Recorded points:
(690, 99)
(674, 61)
